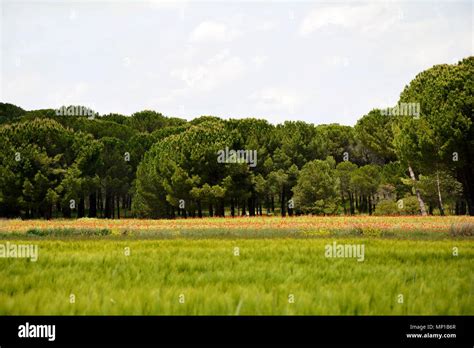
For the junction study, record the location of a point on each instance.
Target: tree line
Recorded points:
(60, 164)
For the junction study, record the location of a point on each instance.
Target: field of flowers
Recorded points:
(300, 223)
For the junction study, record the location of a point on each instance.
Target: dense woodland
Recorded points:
(149, 165)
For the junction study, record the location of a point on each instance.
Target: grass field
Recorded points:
(190, 266)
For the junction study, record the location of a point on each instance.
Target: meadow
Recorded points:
(240, 266)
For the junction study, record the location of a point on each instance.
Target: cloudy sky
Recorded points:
(320, 62)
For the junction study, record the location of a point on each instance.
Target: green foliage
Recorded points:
(146, 164)
(410, 206)
(386, 207)
(375, 132)
(10, 112)
(176, 164)
(443, 136)
(449, 188)
(149, 121)
(335, 140)
(316, 190)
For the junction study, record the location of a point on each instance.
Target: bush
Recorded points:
(386, 207)
(410, 206)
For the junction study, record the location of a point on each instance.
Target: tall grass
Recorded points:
(214, 281)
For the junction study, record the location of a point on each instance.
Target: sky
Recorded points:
(319, 62)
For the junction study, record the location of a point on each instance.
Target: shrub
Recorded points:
(386, 207)
(410, 206)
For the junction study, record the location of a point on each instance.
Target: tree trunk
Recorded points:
(282, 203)
(343, 202)
(66, 211)
(351, 203)
(462, 209)
(465, 176)
(199, 209)
(81, 208)
(118, 207)
(440, 201)
(108, 205)
(222, 207)
(100, 203)
(251, 204)
(92, 205)
(418, 195)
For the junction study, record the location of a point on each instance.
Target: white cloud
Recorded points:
(365, 18)
(210, 32)
(425, 43)
(168, 98)
(337, 61)
(167, 4)
(218, 70)
(381, 102)
(348, 52)
(266, 25)
(259, 61)
(76, 94)
(278, 99)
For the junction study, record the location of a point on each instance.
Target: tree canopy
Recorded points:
(64, 164)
